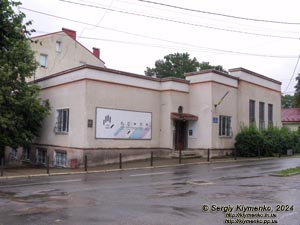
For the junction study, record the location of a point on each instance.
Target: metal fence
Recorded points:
(62, 165)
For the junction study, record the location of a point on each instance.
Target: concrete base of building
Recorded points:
(75, 157)
(68, 157)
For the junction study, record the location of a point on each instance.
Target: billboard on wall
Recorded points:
(123, 124)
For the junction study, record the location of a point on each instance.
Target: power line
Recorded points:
(195, 48)
(293, 73)
(101, 19)
(180, 22)
(158, 39)
(220, 14)
(252, 27)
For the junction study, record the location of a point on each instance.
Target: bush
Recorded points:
(248, 141)
(296, 142)
(251, 141)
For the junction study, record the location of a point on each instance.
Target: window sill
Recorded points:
(62, 133)
(60, 166)
(25, 160)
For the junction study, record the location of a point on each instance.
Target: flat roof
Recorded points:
(210, 71)
(241, 69)
(104, 69)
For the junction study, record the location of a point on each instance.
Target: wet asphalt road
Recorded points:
(174, 195)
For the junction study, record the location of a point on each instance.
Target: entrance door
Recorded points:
(180, 135)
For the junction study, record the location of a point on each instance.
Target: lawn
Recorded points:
(289, 172)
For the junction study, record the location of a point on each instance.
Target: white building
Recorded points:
(101, 112)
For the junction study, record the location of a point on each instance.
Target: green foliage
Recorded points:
(21, 110)
(296, 98)
(287, 101)
(175, 65)
(269, 142)
(248, 141)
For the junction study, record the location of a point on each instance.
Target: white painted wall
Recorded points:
(85, 89)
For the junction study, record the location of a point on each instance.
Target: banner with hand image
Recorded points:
(123, 124)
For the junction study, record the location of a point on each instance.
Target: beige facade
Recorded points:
(100, 112)
(60, 51)
(214, 106)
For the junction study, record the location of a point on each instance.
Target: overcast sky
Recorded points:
(133, 34)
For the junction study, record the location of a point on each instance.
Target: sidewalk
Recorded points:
(31, 171)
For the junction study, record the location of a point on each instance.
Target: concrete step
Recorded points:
(186, 154)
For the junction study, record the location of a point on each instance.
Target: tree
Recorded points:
(175, 65)
(21, 108)
(287, 101)
(296, 100)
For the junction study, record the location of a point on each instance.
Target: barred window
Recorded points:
(26, 153)
(41, 156)
(60, 158)
(225, 126)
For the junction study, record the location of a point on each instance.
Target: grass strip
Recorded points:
(289, 172)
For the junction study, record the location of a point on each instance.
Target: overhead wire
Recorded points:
(192, 47)
(220, 14)
(179, 22)
(293, 73)
(155, 38)
(219, 20)
(101, 19)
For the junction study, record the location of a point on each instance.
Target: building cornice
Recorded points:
(104, 69)
(240, 69)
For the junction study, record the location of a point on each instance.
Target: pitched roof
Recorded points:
(290, 115)
(73, 36)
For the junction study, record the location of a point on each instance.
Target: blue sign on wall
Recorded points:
(215, 119)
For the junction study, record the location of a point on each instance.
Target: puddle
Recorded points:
(179, 183)
(34, 210)
(200, 182)
(174, 194)
(7, 194)
(180, 211)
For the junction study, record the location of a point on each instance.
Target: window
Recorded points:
(58, 46)
(14, 153)
(43, 60)
(62, 122)
(26, 153)
(261, 115)
(225, 126)
(270, 115)
(180, 109)
(251, 112)
(60, 158)
(41, 156)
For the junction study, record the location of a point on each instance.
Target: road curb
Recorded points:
(130, 169)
